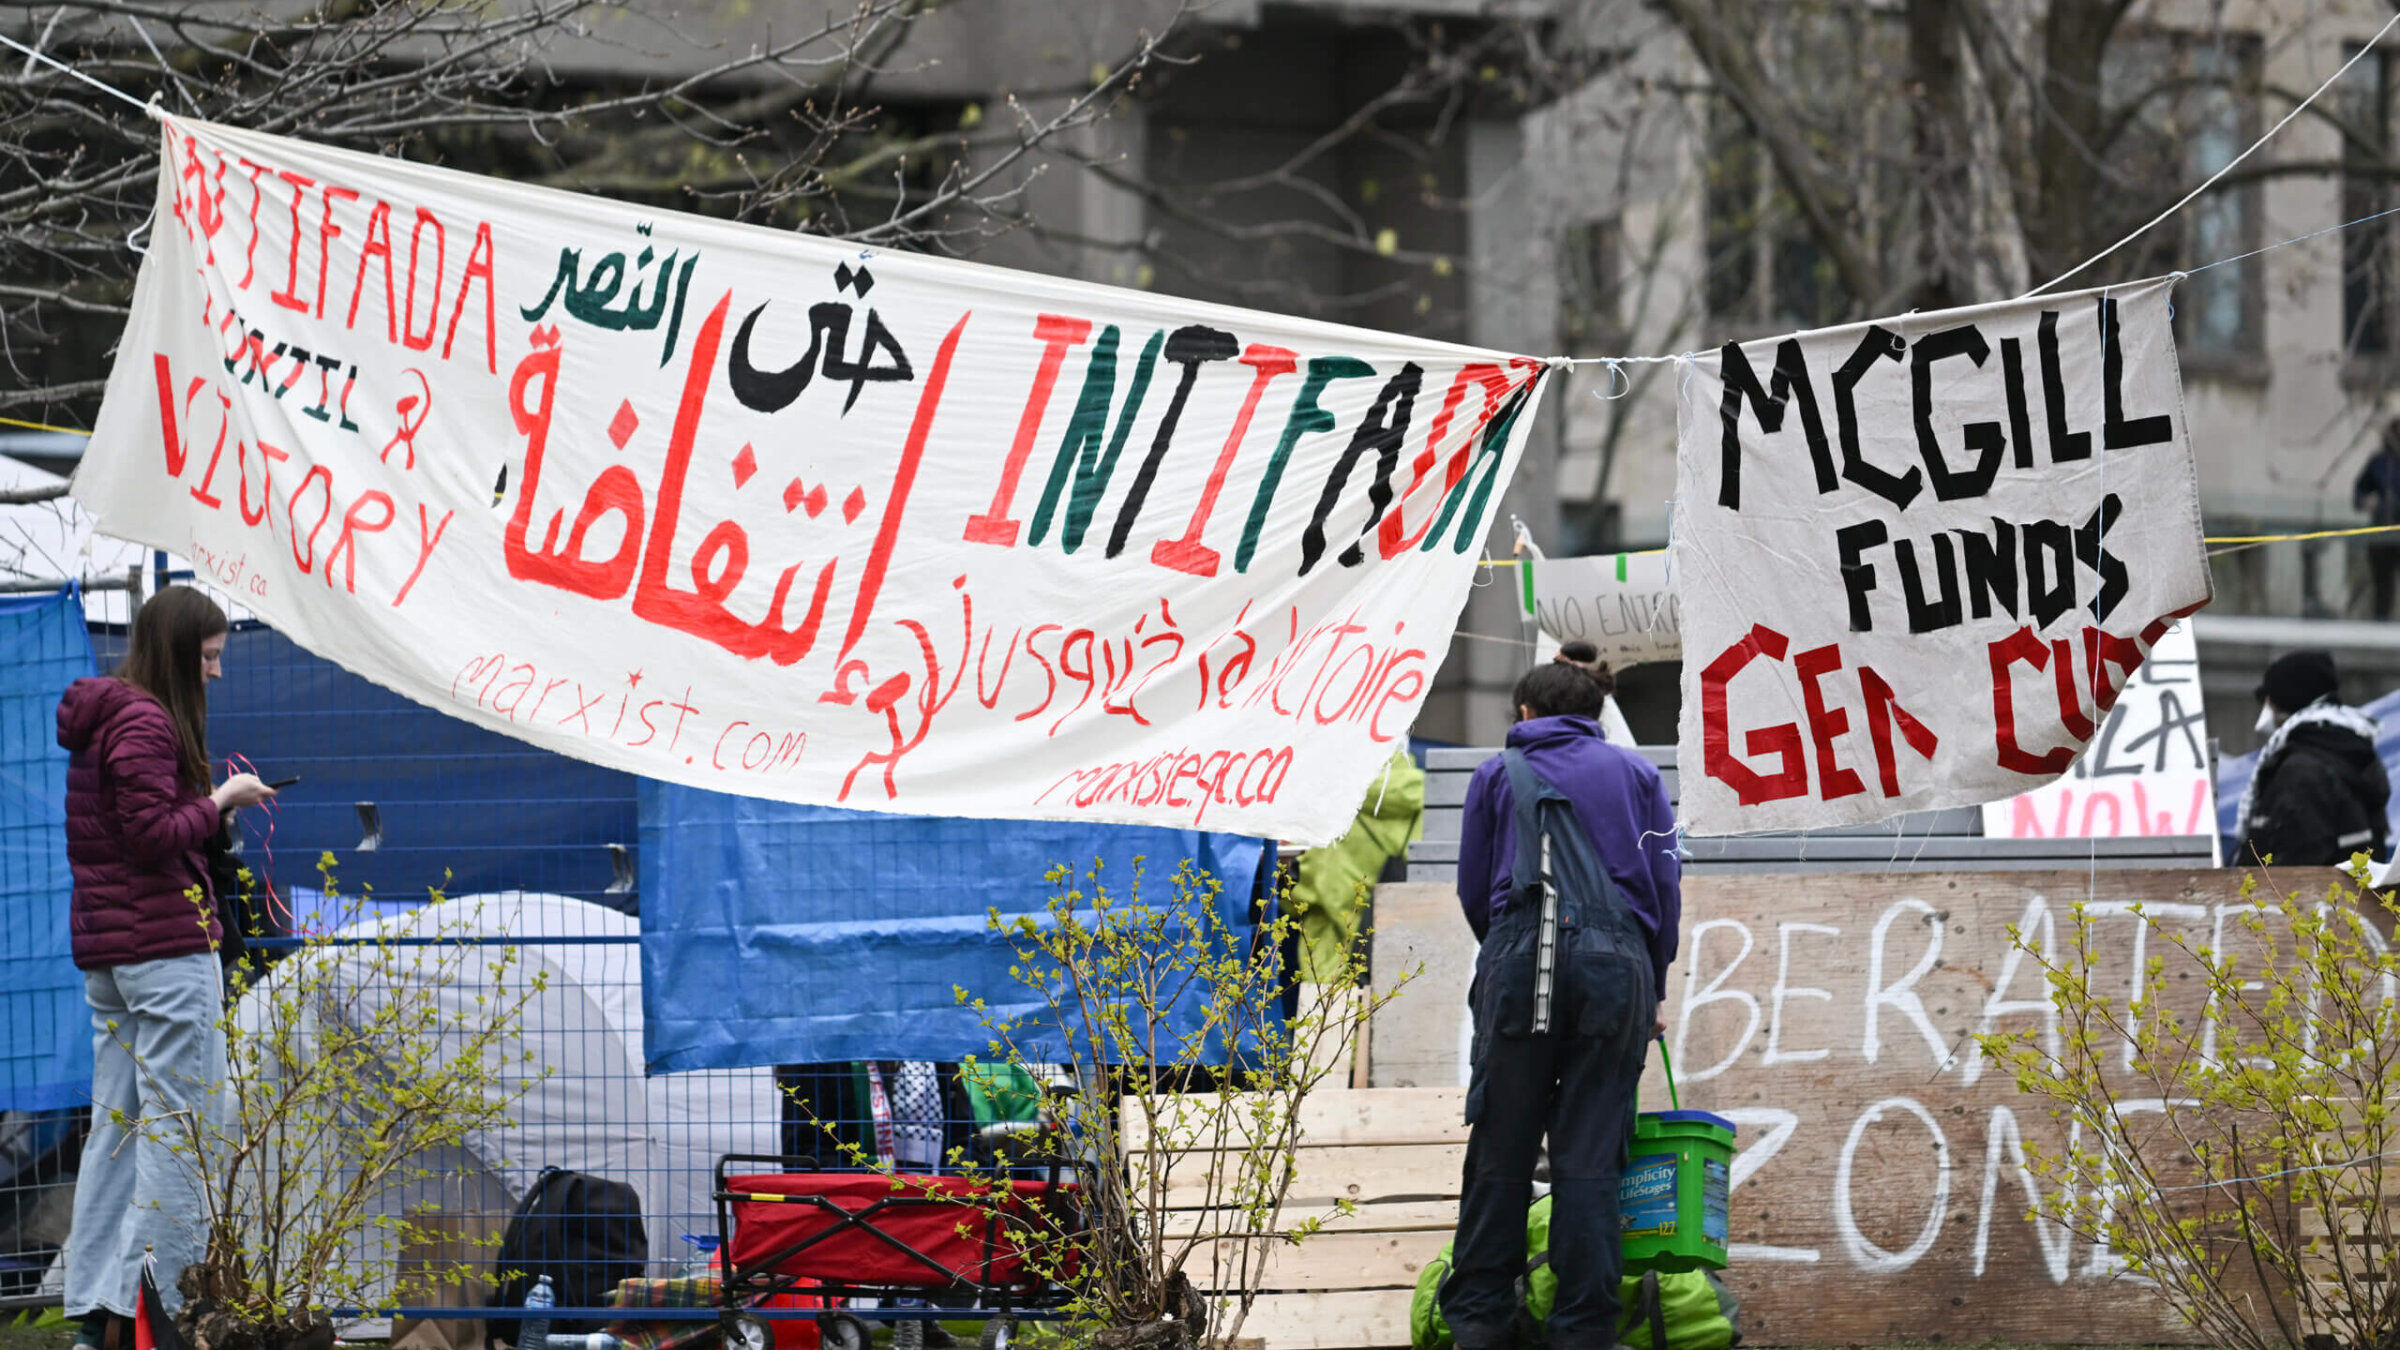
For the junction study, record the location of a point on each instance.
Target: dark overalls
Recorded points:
(1574, 1082)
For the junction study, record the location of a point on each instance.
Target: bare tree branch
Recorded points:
(780, 133)
(1812, 183)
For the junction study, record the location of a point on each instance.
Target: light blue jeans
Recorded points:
(158, 1064)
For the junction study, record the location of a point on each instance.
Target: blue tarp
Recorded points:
(491, 812)
(782, 934)
(45, 1032)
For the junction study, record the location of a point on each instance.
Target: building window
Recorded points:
(1591, 319)
(2190, 105)
(1765, 272)
(2218, 311)
(2365, 110)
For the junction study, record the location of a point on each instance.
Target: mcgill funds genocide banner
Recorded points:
(1919, 559)
(786, 517)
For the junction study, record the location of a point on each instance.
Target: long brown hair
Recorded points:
(163, 661)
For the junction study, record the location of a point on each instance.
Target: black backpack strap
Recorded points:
(1654, 1307)
(1524, 791)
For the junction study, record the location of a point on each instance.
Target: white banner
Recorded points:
(1618, 602)
(2146, 773)
(785, 517)
(1918, 559)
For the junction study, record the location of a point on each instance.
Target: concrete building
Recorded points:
(2289, 357)
(1294, 155)
(1552, 176)
(1600, 216)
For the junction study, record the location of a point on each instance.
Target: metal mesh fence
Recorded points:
(494, 863)
(44, 1067)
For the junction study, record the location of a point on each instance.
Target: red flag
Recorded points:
(153, 1329)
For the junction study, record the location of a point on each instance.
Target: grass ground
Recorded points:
(18, 1331)
(60, 1337)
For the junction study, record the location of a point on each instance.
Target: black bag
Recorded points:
(582, 1231)
(242, 912)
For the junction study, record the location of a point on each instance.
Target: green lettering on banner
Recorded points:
(1079, 452)
(1488, 454)
(1305, 417)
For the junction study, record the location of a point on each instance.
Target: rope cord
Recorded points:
(61, 66)
(2371, 44)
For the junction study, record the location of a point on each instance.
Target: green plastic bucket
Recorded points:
(1672, 1198)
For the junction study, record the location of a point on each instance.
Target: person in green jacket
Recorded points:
(1328, 895)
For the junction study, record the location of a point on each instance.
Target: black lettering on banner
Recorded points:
(2049, 570)
(1188, 347)
(2091, 548)
(1924, 616)
(828, 329)
(1984, 438)
(1382, 430)
(1790, 380)
(2117, 432)
(2065, 445)
(1991, 567)
(774, 390)
(1879, 344)
(2173, 721)
(2020, 422)
(1858, 575)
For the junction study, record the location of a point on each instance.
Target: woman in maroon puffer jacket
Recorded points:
(139, 808)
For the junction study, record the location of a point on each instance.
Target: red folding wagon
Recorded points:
(957, 1242)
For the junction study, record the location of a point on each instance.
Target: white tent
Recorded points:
(591, 1108)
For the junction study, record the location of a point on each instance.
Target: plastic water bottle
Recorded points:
(702, 1263)
(533, 1333)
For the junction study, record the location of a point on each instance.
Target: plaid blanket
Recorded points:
(699, 1291)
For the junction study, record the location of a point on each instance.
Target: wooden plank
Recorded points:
(1952, 849)
(1922, 852)
(1402, 1216)
(1446, 789)
(1332, 1116)
(1363, 1173)
(1349, 1320)
(1832, 1018)
(1456, 758)
(1387, 1261)
(1419, 934)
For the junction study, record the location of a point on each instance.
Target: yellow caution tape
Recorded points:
(2224, 543)
(42, 426)
(2229, 542)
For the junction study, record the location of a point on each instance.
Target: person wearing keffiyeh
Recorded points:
(2319, 793)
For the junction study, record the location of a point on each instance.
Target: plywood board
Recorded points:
(1878, 1194)
(1388, 1261)
(1404, 1216)
(1329, 1321)
(1327, 1116)
(1363, 1174)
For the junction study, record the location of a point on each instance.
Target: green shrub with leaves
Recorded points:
(355, 1067)
(2228, 1112)
(1170, 1087)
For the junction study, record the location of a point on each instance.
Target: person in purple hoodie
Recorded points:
(140, 806)
(1573, 1082)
